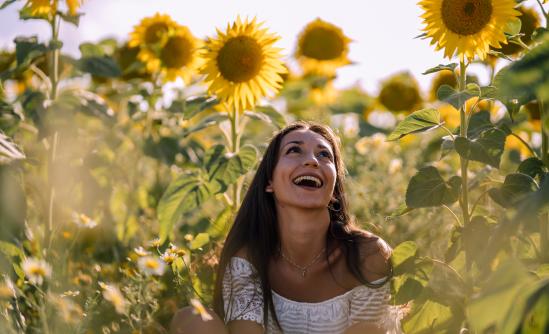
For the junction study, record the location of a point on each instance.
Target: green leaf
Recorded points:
(27, 49)
(402, 253)
(418, 121)
(85, 101)
(513, 27)
(219, 227)
(72, 19)
(429, 317)
(7, 3)
(427, 188)
(91, 50)
(10, 250)
(497, 295)
(515, 187)
(474, 236)
(224, 169)
(529, 75)
(401, 211)
(532, 167)
(488, 148)
(184, 194)
(200, 240)
(448, 94)
(193, 105)
(274, 117)
(9, 151)
(408, 291)
(479, 122)
(100, 66)
(489, 92)
(211, 120)
(441, 67)
(530, 311)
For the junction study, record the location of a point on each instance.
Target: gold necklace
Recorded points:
(303, 269)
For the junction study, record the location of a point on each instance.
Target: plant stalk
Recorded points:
(464, 203)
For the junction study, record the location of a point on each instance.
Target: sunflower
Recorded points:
(241, 64)
(41, 7)
(400, 93)
(178, 57)
(467, 27)
(150, 34)
(529, 20)
(322, 48)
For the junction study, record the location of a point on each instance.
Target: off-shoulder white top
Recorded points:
(243, 300)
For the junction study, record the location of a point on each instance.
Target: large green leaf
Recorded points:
(448, 94)
(427, 188)
(530, 311)
(497, 296)
(27, 49)
(184, 194)
(192, 106)
(441, 67)
(530, 74)
(515, 187)
(429, 317)
(219, 227)
(224, 168)
(402, 253)
(100, 66)
(479, 122)
(408, 291)
(418, 121)
(487, 148)
(532, 167)
(272, 116)
(199, 241)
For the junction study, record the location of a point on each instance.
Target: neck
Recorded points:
(302, 233)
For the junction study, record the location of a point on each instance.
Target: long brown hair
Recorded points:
(255, 225)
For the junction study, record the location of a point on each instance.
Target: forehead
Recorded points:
(307, 137)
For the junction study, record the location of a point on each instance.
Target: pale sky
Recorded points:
(383, 31)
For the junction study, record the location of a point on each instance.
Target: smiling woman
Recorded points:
(293, 260)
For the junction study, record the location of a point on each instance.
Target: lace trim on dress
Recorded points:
(242, 294)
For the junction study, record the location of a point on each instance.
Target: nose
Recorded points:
(310, 161)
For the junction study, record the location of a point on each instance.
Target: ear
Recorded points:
(269, 188)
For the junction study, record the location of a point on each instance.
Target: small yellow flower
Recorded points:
(7, 290)
(36, 270)
(198, 308)
(168, 257)
(395, 166)
(188, 237)
(112, 294)
(73, 6)
(140, 251)
(151, 266)
(155, 243)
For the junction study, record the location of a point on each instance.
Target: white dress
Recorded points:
(243, 300)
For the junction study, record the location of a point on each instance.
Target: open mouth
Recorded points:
(308, 181)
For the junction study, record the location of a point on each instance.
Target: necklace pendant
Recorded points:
(303, 273)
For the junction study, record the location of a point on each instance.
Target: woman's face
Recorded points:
(305, 173)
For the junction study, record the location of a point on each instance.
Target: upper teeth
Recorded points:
(307, 177)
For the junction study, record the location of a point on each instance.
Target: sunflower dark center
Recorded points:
(466, 17)
(240, 59)
(177, 52)
(154, 33)
(322, 44)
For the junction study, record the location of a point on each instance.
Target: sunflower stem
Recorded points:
(464, 203)
(544, 113)
(543, 11)
(54, 66)
(234, 119)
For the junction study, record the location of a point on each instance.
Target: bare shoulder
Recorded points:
(375, 254)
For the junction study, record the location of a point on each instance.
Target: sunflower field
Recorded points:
(121, 169)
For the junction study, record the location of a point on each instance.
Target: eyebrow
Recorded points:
(300, 142)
